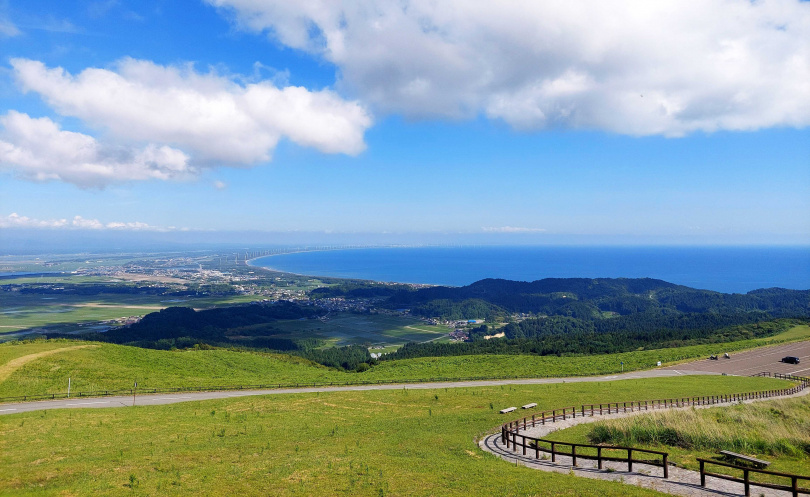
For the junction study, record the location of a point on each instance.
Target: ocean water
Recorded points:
(723, 269)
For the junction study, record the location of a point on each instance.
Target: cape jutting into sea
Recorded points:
(723, 269)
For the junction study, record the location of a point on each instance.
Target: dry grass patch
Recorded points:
(779, 427)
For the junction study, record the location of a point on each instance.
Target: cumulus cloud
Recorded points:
(39, 150)
(634, 67)
(512, 229)
(14, 220)
(212, 118)
(220, 185)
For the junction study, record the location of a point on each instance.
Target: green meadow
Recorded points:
(371, 443)
(115, 367)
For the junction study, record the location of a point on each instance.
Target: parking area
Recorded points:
(755, 361)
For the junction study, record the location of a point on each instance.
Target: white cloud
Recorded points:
(635, 67)
(512, 229)
(220, 185)
(14, 220)
(39, 150)
(8, 29)
(212, 118)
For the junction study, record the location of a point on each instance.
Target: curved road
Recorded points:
(742, 363)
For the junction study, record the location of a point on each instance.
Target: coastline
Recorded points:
(721, 269)
(249, 262)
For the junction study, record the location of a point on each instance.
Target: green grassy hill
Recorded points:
(114, 367)
(372, 443)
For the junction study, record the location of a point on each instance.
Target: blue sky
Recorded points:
(536, 122)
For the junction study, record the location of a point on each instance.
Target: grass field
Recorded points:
(777, 431)
(114, 367)
(373, 443)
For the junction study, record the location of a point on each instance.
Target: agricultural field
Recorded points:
(371, 443)
(113, 367)
(345, 328)
(76, 293)
(64, 313)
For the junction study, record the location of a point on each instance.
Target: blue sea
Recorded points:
(723, 269)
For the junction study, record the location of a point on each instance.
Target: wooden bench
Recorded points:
(759, 463)
(529, 406)
(508, 409)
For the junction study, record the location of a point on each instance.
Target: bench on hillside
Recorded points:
(508, 409)
(529, 406)
(759, 463)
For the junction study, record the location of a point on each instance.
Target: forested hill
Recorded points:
(585, 298)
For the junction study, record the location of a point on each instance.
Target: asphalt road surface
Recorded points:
(742, 364)
(754, 361)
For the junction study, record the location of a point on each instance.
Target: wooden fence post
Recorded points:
(747, 483)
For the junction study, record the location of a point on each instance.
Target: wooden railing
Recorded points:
(512, 438)
(790, 377)
(746, 478)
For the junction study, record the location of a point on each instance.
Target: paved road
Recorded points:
(755, 361)
(168, 398)
(743, 363)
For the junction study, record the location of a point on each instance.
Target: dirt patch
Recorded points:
(8, 368)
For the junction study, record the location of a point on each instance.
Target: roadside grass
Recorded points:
(777, 431)
(116, 367)
(366, 443)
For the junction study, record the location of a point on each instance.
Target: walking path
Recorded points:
(680, 482)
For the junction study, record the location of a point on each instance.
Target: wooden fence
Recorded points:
(534, 444)
(512, 438)
(746, 477)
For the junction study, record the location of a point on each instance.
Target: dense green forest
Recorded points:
(592, 316)
(566, 338)
(584, 298)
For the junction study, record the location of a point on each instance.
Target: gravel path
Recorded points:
(680, 482)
